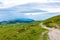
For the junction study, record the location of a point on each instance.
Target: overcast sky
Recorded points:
(51, 6)
(10, 3)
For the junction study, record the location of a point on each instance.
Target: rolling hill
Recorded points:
(53, 22)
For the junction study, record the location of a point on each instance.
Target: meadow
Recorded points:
(23, 31)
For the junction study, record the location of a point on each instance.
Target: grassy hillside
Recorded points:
(22, 31)
(53, 22)
(27, 31)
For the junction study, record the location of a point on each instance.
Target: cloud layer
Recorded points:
(10, 3)
(36, 11)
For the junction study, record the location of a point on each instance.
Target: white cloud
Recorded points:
(9, 3)
(51, 9)
(40, 16)
(31, 14)
(42, 13)
(54, 0)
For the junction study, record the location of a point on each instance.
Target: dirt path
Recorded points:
(54, 34)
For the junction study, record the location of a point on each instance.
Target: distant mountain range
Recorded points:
(49, 22)
(19, 20)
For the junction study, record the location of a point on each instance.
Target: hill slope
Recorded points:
(53, 22)
(22, 31)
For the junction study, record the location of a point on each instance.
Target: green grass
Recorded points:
(53, 22)
(45, 36)
(22, 31)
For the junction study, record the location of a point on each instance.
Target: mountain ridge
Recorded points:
(18, 20)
